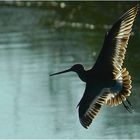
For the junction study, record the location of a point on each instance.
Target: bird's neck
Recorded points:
(82, 75)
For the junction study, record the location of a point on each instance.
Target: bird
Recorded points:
(108, 82)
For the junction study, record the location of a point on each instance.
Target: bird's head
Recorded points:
(75, 68)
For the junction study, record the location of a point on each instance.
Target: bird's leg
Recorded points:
(130, 104)
(127, 107)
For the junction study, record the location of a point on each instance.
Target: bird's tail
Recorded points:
(118, 98)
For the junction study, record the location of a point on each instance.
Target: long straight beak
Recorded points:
(61, 72)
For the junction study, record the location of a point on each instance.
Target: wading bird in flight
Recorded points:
(107, 82)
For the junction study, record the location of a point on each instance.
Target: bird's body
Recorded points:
(107, 82)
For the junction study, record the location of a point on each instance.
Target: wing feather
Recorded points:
(115, 43)
(90, 105)
(117, 98)
(111, 59)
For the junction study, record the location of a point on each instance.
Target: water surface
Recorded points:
(34, 105)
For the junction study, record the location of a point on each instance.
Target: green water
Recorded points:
(37, 41)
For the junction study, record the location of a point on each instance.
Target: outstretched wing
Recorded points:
(90, 104)
(113, 52)
(111, 59)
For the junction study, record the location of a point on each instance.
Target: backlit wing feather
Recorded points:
(90, 104)
(92, 111)
(115, 99)
(113, 54)
(115, 44)
(111, 60)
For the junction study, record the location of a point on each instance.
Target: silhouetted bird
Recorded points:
(107, 82)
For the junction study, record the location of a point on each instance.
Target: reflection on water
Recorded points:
(33, 105)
